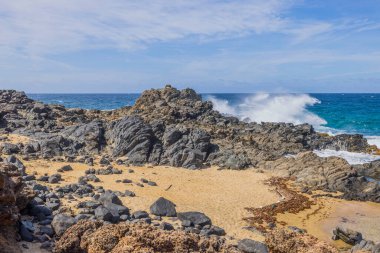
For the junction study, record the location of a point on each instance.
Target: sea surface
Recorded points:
(331, 113)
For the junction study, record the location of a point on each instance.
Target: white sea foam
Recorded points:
(350, 157)
(264, 107)
(373, 140)
(290, 108)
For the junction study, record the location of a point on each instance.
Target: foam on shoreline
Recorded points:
(373, 140)
(351, 157)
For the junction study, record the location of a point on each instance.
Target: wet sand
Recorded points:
(329, 213)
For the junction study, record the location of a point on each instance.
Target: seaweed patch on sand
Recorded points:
(265, 217)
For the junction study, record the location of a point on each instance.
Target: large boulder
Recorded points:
(89, 136)
(61, 222)
(103, 213)
(109, 197)
(163, 207)
(347, 235)
(185, 147)
(132, 137)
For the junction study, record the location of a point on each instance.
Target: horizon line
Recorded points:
(139, 93)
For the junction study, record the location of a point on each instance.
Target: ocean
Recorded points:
(331, 113)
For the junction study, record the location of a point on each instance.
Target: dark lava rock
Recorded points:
(66, 168)
(163, 207)
(104, 214)
(9, 148)
(46, 230)
(26, 231)
(117, 209)
(35, 210)
(88, 204)
(104, 161)
(29, 177)
(54, 179)
(196, 218)
(251, 246)
(151, 183)
(109, 197)
(140, 215)
(166, 226)
(43, 178)
(366, 246)
(213, 230)
(186, 223)
(61, 222)
(347, 235)
(129, 193)
(132, 137)
(53, 206)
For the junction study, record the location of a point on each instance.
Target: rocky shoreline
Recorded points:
(165, 127)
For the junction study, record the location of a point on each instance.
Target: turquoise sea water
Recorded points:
(335, 113)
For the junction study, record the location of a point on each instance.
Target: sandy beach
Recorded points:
(221, 194)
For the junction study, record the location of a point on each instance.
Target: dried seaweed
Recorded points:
(263, 218)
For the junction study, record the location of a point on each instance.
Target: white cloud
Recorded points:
(34, 34)
(308, 31)
(44, 26)
(41, 27)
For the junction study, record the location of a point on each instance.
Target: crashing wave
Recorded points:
(264, 107)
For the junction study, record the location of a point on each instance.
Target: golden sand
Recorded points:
(223, 195)
(329, 213)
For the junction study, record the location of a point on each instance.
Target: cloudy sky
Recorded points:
(209, 45)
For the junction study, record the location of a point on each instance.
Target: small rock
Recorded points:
(251, 246)
(140, 215)
(66, 168)
(151, 183)
(129, 193)
(197, 218)
(166, 226)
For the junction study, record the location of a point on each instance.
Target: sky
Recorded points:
(127, 46)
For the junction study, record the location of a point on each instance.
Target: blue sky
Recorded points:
(209, 45)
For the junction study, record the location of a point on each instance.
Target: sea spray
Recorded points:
(289, 108)
(264, 107)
